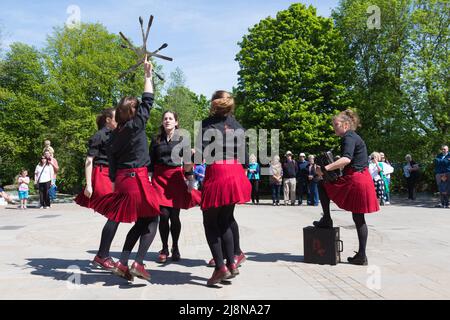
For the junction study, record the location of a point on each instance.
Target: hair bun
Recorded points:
(222, 103)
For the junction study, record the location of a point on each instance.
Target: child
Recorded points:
(444, 187)
(23, 181)
(48, 147)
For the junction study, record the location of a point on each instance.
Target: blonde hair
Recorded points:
(222, 103)
(350, 117)
(252, 158)
(376, 156)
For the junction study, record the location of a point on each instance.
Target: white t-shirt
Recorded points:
(374, 171)
(47, 173)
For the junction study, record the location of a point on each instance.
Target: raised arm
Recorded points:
(143, 112)
(148, 68)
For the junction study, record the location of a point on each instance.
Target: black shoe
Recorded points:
(175, 254)
(358, 260)
(323, 223)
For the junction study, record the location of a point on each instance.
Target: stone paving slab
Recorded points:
(43, 252)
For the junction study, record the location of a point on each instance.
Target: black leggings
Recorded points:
(324, 200)
(236, 238)
(358, 218)
(255, 190)
(145, 229)
(108, 233)
(363, 232)
(173, 215)
(218, 231)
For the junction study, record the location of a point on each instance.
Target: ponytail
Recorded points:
(349, 116)
(101, 118)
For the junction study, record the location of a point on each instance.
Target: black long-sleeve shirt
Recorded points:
(97, 146)
(162, 152)
(221, 134)
(128, 147)
(354, 148)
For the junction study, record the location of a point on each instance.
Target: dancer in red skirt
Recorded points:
(353, 191)
(225, 185)
(134, 199)
(98, 183)
(168, 177)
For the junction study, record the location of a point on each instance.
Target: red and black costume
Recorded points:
(101, 184)
(354, 190)
(225, 185)
(134, 196)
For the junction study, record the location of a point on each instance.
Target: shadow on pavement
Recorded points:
(153, 257)
(68, 270)
(81, 273)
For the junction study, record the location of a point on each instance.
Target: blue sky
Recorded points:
(202, 34)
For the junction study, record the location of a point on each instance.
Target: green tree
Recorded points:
(189, 106)
(400, 78)
(291, 78)
(24, 109)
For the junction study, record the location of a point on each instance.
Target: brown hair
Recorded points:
(162, 131)
(101, 118)
(350, 117)
(222, 103)
(126, 110)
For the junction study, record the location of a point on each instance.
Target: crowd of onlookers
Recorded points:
(297, 178)
(299, 181)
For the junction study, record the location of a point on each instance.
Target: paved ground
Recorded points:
(43, 252)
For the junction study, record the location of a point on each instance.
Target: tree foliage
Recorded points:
(401, 74)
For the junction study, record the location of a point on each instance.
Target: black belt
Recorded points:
(101, 166)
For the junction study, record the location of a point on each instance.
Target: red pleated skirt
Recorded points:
(134, 197)
(101, 186)
(171, 184)
(225, 184)
(354, 191)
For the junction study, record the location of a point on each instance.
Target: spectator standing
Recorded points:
(43, 177)
(302, 178)
(313, 179)
(442, 165)
(411, 173)
(289, 178)
(387, 170)
(23, 182)
(253, 172)
(444, 189)
(276, 179)
(199, 173)
(376, 172)
(54, 163)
